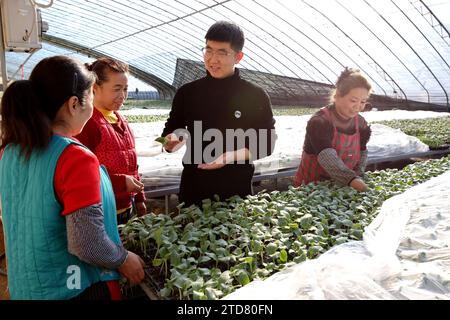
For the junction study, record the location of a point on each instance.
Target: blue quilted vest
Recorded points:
(39, 264)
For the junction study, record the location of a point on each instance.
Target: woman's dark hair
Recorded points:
(349, 79)
(102, 66)
(224, 31)
(29, 107)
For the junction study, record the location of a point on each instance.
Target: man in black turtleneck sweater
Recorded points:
(229, 123)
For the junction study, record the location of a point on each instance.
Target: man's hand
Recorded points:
(220, 162)
(133, 185)
(226, 158)
(141, 209)
(359, 185)
(133, 268)
(174, 143)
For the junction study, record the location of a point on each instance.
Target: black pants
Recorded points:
(197, 185)
(123, 217)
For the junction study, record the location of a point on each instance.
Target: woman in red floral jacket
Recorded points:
(109, 136)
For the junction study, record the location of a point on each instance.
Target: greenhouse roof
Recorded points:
(403, 46)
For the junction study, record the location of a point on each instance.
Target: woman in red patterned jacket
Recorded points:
(336, 136)
(109, 136)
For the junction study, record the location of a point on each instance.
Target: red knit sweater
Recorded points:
(114, 146)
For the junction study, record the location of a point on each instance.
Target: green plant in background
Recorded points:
(433, 132)
(147, 104)
(167, 104)
(293, 111)
(208, 252)
(145, 118)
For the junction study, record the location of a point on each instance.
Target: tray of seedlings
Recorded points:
(210, 251)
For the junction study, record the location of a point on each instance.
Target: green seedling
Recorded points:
(163, 140)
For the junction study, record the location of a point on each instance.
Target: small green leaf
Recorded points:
(163, 140)
(306, 221)
(222, 243)
(341, 240)
(143, 234)
(243, 278)
(347, 222)
(204, 271)
(225, 277)
(157, 262)
(165, 292)
(283, 256)
(204, 259)
(197, 295)
(271, 248)
(248, 260)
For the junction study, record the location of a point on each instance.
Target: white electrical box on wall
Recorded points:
(21, 26)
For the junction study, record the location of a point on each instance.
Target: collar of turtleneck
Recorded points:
(339, 120)
(223, 81)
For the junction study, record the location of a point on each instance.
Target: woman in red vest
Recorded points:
(109, 136)
(336, 136)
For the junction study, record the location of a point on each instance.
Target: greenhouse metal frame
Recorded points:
(403, 46)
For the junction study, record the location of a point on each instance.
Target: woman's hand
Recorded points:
(359, 185)
(133, 268)
(141, 209)
(133, 185)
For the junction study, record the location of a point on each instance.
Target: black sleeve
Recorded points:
(319, 135)
(364, 132)
(176, 118)
(266, 122)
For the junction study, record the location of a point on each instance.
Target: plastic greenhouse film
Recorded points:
(384, 142)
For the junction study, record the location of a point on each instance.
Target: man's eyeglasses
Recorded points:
(221, 53)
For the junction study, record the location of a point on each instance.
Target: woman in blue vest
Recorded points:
(57, 201)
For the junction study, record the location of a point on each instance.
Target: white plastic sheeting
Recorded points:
(404, 254)
(159, 169)
(386, 141)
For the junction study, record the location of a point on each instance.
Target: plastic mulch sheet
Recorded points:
(161, 169)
